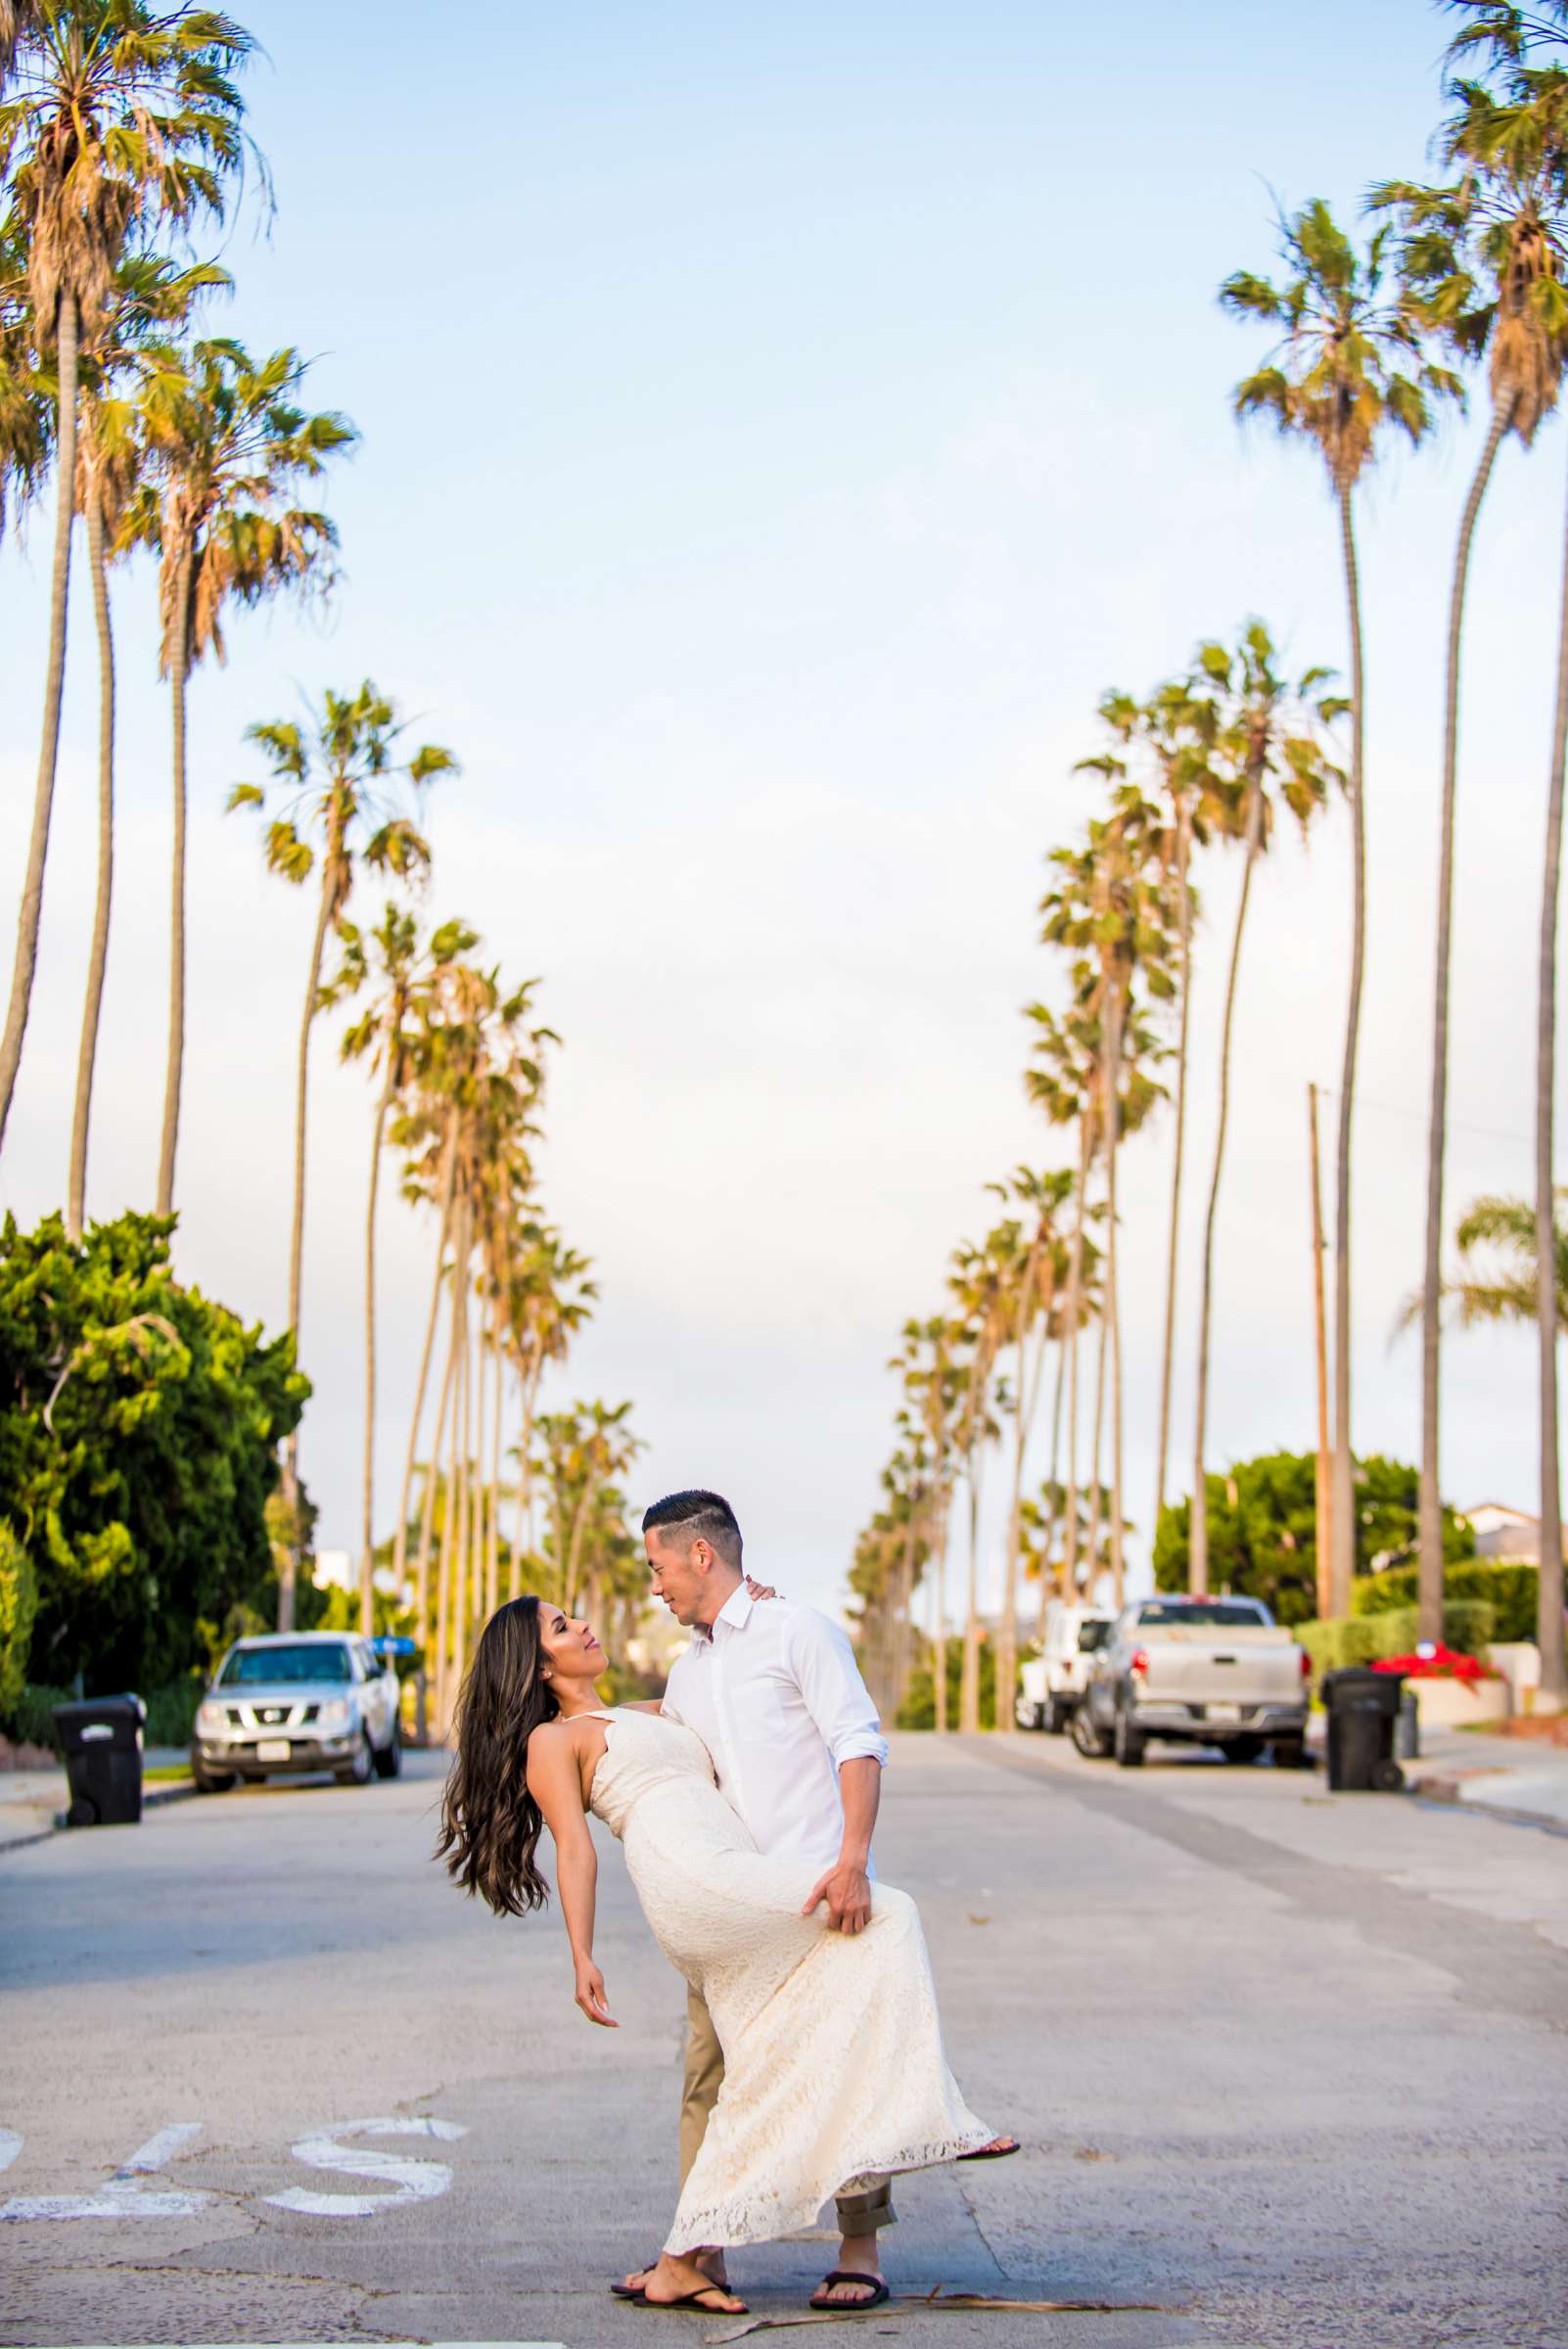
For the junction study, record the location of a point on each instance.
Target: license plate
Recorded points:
(272, 1749)
(1223, 1713)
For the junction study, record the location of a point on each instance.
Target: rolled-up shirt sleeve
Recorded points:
(836, 1696)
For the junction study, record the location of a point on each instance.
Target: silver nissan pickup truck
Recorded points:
(1215, 1672)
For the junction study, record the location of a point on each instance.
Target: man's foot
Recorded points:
(710, 2262)
(690, 2281)
(855, 2280)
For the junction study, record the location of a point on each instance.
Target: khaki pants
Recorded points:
(863, 2212)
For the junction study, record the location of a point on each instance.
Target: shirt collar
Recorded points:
(734, 1613)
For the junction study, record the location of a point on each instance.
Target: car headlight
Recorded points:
(209, 1720)
(336, 1714)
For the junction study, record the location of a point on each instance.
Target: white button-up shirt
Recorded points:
(776, 1697)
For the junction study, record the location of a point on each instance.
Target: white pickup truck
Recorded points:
(1203, 1671)
(1052, 1683)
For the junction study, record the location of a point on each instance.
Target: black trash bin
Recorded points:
(102, 1738)
(1364, 1710)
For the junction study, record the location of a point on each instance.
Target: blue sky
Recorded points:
(779, 426)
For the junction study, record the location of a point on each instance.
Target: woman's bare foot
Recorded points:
(677, 2278)
(996, 2151)
(711, 2261)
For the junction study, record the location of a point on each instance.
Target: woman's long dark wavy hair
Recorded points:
(489, 1822)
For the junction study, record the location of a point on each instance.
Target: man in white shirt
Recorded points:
(776, 1694)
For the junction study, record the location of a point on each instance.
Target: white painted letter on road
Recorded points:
(415, 2180)
(122, 2196)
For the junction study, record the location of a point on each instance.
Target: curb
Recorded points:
(1452, 1792)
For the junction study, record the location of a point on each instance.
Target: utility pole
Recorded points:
(1326, 1527)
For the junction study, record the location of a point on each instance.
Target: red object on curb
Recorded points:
(1442, 1664)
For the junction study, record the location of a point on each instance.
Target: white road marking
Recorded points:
(416, 2181)
(121, 2196)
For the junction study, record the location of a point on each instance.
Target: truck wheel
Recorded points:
(1128, 1743)
(1085, 1736)
(217, 1781)
(389, 1757)
(1290, 1753)
(1242, 1749)
(1054, 1721)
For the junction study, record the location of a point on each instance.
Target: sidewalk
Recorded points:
(1515, 1777)
(31, 1801)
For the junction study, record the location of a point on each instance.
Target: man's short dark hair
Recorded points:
(690, 1517)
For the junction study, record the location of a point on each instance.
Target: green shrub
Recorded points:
(919, 1710)
(1510, 1588)
(19, 1603)
(171, 1710)
(30, 1718)
(1469, 1625)
(1341, 1639)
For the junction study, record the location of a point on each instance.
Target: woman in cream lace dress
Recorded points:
(833, 2061)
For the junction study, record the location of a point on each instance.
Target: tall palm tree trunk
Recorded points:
(1096, 1510)
(969, 1679)
(463, 1561)
(98, 955)
(302, 1098)
(1113, 1137)
(429, 1627)
(1052, 1488)
(492, 1555)
(367, 1557)
(30, 915)
(1075, 1285)
(400, 1532)
(1173, 1243)
(1342, 1509)
(938, 1636)
(525, 1485)
(169, 1140)
(1549, 1591)
(906, 1599)
(1429, 1512)
(1198, 1574)
(1023, 1417)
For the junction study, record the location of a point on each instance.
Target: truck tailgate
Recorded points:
(1251, 1664)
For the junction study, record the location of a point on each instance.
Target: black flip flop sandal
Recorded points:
(629, 2291)
(694, 2300)
(877, 2294)
(993, 2153)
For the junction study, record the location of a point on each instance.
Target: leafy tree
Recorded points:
(1262, 1528)
(120, 120)
(139, 1427)
(1350, 364)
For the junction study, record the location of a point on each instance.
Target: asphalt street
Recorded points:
(1291, 2067)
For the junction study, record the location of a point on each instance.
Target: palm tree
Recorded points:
(28, 410)
(933, 1385)
(150, 293)
(1499, 1278)
(1484, 254)
(386, 1034)
(1350, 364)
(1040, 1276)
(228, 449)
(1111, 904)
(335, 783)
(121, 119)
(1171, 729)
(982, 1283)
(1267, 742)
